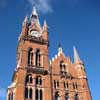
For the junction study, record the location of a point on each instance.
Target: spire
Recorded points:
(34, 17)
(45, 26)
(76, 56)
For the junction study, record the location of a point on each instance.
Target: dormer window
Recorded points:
(62, 66)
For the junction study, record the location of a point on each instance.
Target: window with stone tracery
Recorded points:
(56, 84)
(66, 85)
(28, 79)
(38, 94)
(38, 80)
(37, 58)
(62, 66)
(28, 93)
(30, 56)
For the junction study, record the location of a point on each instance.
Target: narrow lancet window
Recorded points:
(30, 56)
(28, 79)
(37, 57)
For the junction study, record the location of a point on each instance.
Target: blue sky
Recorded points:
(71, 22)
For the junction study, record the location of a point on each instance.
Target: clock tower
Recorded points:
(36, 77)
(31, 78)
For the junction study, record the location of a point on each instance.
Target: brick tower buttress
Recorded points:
(31, 79)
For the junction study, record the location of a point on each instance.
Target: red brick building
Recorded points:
(37, 78)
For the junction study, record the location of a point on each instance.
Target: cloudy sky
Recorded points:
(70, 22)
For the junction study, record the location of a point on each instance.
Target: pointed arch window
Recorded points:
(62, 69)
(28, 93)
(75, 86)
(37, 59)
(38, 80)
(30, 56)
(56, 84)
(28, 79)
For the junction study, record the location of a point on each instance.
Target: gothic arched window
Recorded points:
(38, 80)
(28, 79)
(57, 96)
(37, 59)
(76, 97)
(62, 66)
(30, 56)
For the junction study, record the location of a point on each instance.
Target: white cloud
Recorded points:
(43, 6)
(2, 92)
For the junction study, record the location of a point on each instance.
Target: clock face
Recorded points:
(35, 33)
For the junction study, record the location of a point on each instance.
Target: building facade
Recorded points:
(38, 78)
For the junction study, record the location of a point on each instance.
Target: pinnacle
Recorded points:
(45, 23)
(76, 55)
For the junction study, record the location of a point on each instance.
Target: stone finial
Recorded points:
(60, 50)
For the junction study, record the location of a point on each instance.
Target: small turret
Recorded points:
(60, 49)
(45, 26)
(45, 30)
